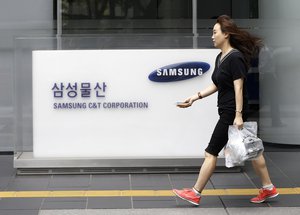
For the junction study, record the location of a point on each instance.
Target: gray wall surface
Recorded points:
(279, 71)
(17, 18)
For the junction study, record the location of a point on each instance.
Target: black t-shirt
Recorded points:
(230, 68)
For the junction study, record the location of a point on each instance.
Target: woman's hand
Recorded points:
(188, 102)
(212, 88)
(238, 122)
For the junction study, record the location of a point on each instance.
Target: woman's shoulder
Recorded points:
(237, 55)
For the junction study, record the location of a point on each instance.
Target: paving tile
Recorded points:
(19, 212)
(162, 211)
(279, 178)
(4, 182)
(206, 202)
(67, 182)
(6, 164)
(64, 203)
(294, 176)
(285, 201)
(178, 176)
(150, 181)
(240, 201)
(263, 211)
(211, 202)
(285, 163)
(20, 203)
(281, 167)
(66, 199)
(230, 179)
(281, 181)
(70, 188)
(237, 186)
(7, 160)
(179, 181)
(7, 172)
(154, 202)
(110, 182)
(278, 157)
(109, 202)
(29, 183)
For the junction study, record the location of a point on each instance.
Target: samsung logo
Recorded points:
(179, 71)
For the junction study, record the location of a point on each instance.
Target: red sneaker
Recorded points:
(188, 195)
(265, 194)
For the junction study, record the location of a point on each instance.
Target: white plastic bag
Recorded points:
(242, 144)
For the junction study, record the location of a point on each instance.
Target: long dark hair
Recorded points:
(240, 39)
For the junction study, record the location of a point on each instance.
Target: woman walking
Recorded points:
(229, 80)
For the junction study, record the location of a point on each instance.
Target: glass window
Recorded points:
(126, 16)
(237, 9)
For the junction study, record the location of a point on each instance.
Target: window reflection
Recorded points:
(130, 16)
(146, 16)
(126, 9)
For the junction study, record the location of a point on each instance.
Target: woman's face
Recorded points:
(218, 37)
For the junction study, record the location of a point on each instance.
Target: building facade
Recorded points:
(149, 24)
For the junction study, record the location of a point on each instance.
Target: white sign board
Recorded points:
(103, 104)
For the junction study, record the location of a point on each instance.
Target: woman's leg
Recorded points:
(192, 195)
(268, 190)
(218, 141)
(261, 170)
(206, 171)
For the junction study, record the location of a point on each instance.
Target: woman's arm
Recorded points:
(211, 89)
(238, 90)
(201, 94)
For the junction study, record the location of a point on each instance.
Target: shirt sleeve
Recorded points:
(238, 68)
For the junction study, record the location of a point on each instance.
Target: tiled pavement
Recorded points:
(283, 167)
